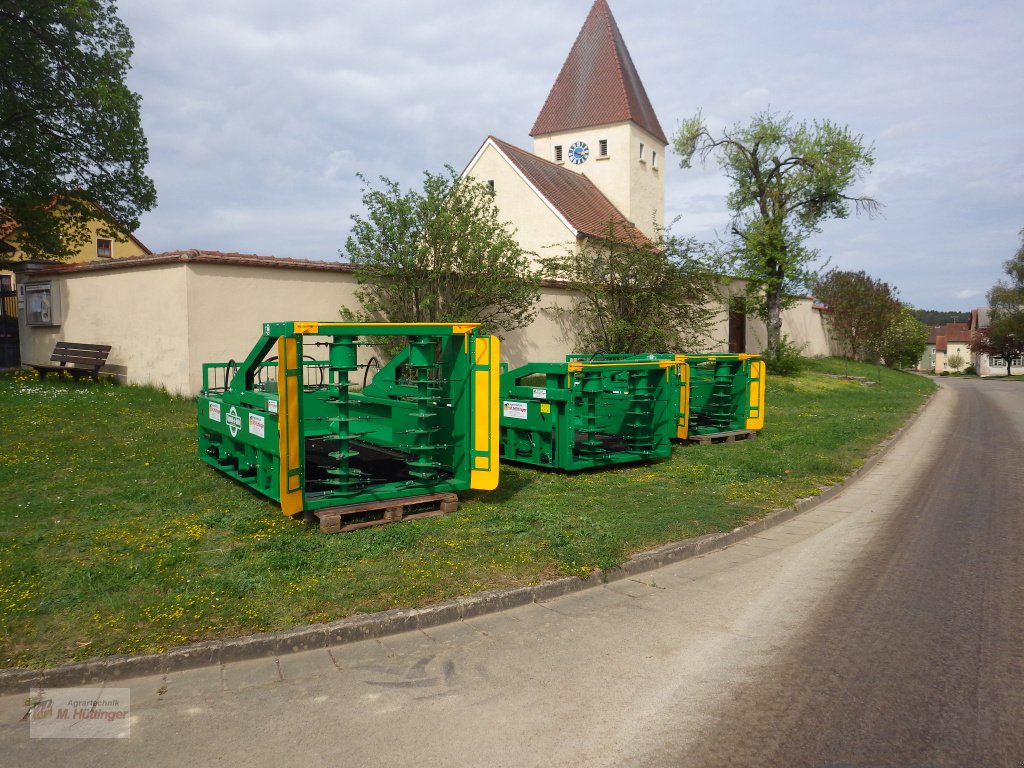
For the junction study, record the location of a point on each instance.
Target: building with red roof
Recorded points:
(948, 349)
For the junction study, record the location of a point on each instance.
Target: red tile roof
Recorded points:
(958, 332)
(202, 257)
(955, 333)
(598, 83)
(575, 196)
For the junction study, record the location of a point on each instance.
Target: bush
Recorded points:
(970, 370)
(786, 361)
(944, 373)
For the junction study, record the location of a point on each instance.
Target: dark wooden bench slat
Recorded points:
(89, 361)
(72, 346)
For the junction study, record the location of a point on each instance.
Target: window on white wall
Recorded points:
(642, 158)
(602, 148)
(558, 153)
(42, 304)
(654, 159)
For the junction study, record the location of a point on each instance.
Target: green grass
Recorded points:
(115, 538)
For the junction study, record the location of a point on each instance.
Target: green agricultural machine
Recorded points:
(720, 394)
(586, 414)
(726, 394)
(301, 421)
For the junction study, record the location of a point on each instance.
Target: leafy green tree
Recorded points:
(71, 142)
(905, 340)
(440, 254)
(860, 311)
(638, 295)
(1004, 338)
(787, 178)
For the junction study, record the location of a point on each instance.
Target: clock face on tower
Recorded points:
(578, 152)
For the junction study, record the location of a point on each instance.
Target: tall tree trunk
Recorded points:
(773, 322)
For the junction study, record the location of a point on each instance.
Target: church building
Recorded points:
(598, 150)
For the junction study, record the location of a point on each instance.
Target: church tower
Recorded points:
(598, 121)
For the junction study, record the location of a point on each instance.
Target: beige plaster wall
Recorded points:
(227, 306)
(164, 321)
(140, 312)
(802, 324)
(539, 229)
(548, 339)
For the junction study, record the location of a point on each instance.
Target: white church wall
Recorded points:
(539, 229)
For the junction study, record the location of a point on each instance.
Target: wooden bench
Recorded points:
(86, 359)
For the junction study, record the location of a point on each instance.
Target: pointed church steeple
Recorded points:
(598, 121)
(598, 84)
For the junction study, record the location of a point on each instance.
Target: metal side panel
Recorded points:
(755, 416)
(289, 416)
(683, 422)
(486, 406)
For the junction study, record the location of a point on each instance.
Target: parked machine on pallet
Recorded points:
(721, 394)
(300, 420)
(586, 414)
(726, 394)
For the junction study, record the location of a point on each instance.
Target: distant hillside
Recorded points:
(935, 317)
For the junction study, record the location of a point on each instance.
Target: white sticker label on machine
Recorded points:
(233, 420)
(256, 425)
(540, 394)
(272, 406)
(214, 411)
(513, 410)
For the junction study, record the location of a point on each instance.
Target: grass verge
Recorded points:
(114, 538)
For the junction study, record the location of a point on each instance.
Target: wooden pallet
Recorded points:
(332, 519)
(723, 437)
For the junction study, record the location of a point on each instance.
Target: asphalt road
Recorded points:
(916, 658)
(883, 628)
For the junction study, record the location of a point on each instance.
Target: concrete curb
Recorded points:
(356, 628)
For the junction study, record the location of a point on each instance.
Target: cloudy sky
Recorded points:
(260, 113)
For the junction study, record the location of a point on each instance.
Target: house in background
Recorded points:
(949, 342)
(99, 247)
(986, 365)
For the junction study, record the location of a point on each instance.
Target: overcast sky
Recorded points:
(260, 113)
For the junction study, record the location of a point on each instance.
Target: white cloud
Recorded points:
(970, 293)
